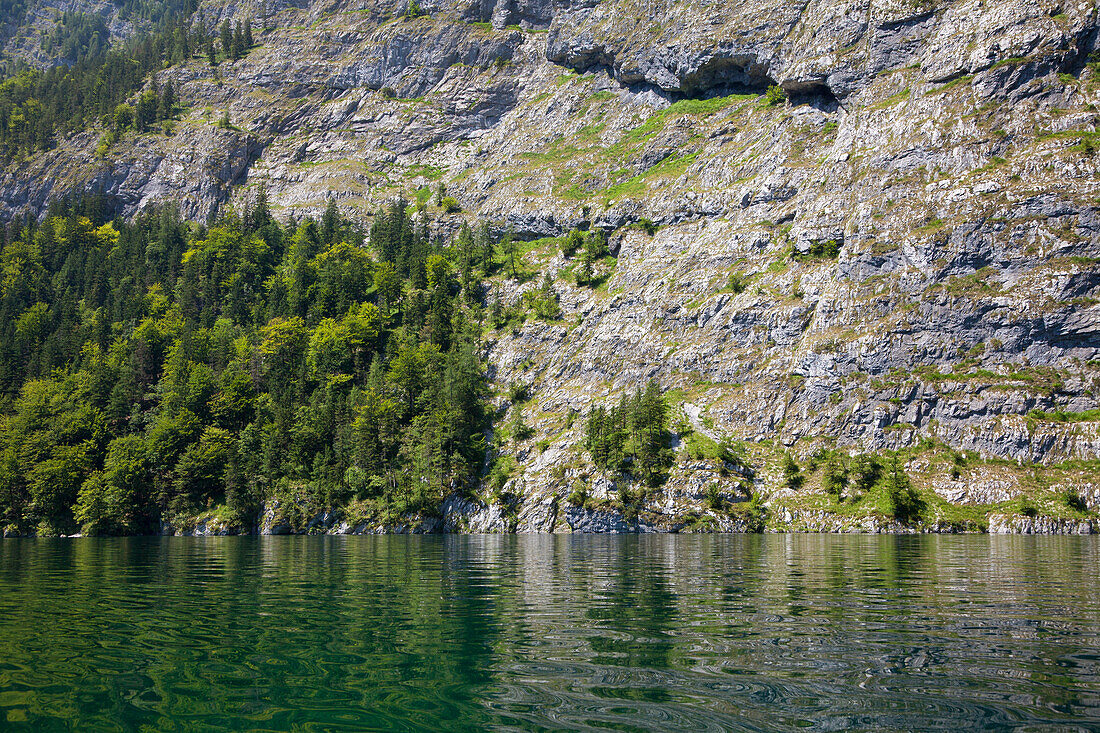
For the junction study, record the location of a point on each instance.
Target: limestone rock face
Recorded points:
(903, 245)
(196, 168)
(22, 38)
(1000, 524)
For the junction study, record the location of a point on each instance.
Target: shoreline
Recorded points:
(999, 525)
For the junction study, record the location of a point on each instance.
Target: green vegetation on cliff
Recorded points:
(92, 81)
(155, 370)
(632, 435)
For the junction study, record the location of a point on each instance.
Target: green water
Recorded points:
(701, 633)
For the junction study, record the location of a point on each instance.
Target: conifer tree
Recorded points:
(792, 474)
(905, 503)
(509, 248)
(226, 34)
(330, 222)
(835, 478)
(167, 109)
(487, 250)
(237, 47)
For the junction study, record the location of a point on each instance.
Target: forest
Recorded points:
(91, 80)
(156, 369)
(632, 435)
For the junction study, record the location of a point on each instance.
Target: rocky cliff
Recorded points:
(902, 246)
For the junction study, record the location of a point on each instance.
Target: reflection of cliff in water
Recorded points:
(550, 632)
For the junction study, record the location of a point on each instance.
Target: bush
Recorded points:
(1074, 500)
(519, 429)
(1027, 507)
(958, 462)
(517, 392)
(104, 145)
(450, 204)
(827, 250)
(756, 514)
(578, 496)
(737, 282)
(792, 475)
(775, 96)
(865, 471)
(835, 478)
(905, 503)
(357, 480)
(713, 499)
(501, 472)
(632, 502)
(543, 301)
(733, 452)
(572, 242)
(123, 117)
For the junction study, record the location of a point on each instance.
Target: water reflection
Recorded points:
(550, 632)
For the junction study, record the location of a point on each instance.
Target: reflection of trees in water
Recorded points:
(636, 613)
(469, 617)
(392, 632)
(741, 561)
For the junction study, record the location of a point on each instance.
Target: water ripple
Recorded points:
(550, 633)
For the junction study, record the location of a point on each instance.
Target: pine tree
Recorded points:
(167, 108)
(238, 47)
(226, 34)
(835, 478)
(330, 222)
(509, 248)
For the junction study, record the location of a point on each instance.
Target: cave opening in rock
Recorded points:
(720, 77)
(816, 95)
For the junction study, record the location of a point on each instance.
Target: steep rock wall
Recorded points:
(944, 151)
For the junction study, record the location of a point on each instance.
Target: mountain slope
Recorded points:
(899, 246)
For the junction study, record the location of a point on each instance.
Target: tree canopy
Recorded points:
(91, 81)
(155, 369)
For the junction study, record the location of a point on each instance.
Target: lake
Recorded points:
(629, 633)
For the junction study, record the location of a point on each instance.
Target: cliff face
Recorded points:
(907, 246)
(25, 36)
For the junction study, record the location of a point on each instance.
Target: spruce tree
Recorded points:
(905, 503)
(835, 478)
(510, 250)
(238, 46)
(226, 34)
(167, 107)
(487, 249)
(330, 222)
